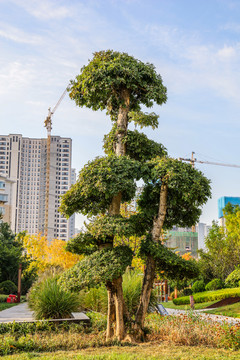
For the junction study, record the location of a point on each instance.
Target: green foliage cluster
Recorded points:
(173, 265)
(143, 119)
(233, 278)
(82, 244)
(8, 287)
(138, 146)
(98, 182)
(100, 267)
(11, 255)
(208, 296)
(101, 83)
(215, 284)
(106, 227)
(188, 190)
(49, 301)
(198, 286)
(222, 254)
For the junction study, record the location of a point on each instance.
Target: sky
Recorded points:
(194, 45)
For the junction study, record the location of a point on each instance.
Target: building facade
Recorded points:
(222, 202)
(24, 161)
(6, 198)
(182, 240)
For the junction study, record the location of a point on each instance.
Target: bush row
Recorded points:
(209, 296)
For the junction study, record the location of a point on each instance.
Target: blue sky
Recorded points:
(195, 46)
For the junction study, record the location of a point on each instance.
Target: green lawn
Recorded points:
(170, 305)
(161, 351)
(228, 310)
(4, 306)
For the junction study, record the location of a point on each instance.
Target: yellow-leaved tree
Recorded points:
(44, 254)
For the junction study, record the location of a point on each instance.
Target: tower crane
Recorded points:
(194, 160)
(48, 125)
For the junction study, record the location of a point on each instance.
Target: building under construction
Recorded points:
(40, 171)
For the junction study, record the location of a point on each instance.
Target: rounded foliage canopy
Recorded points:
(138, 146)
(98, 182)
(100, 267)
(101, 83)
(188, 189)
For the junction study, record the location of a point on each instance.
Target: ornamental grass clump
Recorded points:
(49, 301)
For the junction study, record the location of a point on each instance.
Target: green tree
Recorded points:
(11, 256)
(222, 252)
(120, 84)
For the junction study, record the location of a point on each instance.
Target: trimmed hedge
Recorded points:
(215, 284)
(208, 296)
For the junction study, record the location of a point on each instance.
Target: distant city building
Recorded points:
(182, 240)
(222, 202)
(24, 161)
(6, 198)
(202, 230)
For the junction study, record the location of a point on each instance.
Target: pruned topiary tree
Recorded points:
(172, 194)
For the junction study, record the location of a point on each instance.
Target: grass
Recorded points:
(162, 351)
(228, 310)
(189, 331)
(170, 305)
(4, 306)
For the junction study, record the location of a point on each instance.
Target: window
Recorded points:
(2, 185)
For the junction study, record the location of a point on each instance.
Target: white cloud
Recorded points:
(15, 75)
(226, 52)
(17, 35)
(44, 9)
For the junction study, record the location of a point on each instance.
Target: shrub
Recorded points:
(233, 279)
(8, 287)
(215, 284)
(198, 286)
(49, 301)
(94, 299)
(3, 298)
(209, 296)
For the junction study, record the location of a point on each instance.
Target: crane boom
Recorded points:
(216, 163)
(209, 162)
(48, 125)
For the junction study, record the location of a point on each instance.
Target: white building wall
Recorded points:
(24, 160)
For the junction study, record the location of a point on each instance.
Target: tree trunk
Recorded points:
(115, 294)
(111, 317)
(148, 279)
(149, 273)
(119, 305)
(122, 124)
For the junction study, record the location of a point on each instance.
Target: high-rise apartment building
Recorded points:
(24, 161)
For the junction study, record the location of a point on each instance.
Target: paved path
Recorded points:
(204, 315)
(22, 313)
(19, 312)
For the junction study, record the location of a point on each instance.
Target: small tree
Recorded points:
(222, 252)
(173, 192)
